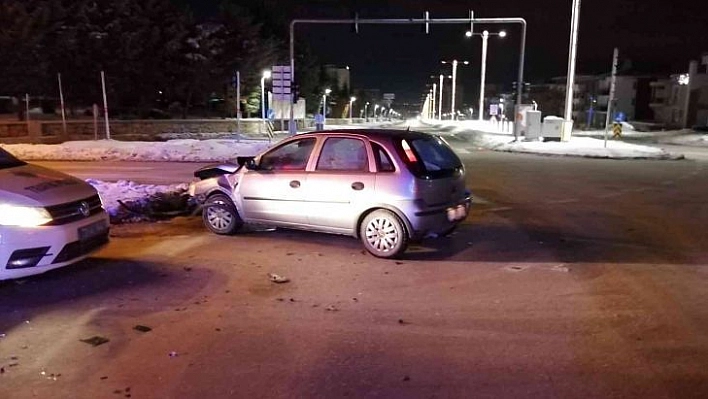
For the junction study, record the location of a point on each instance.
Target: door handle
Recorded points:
(357, 185)
(295, 184)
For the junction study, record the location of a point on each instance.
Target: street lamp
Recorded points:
(266, 75)
(324, 105)
(454, 80)
(432, 100)
(485, 36)
(366, 112)
(351, 101)
(440, 98)
(440, 95)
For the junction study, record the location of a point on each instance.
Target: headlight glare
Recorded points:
(24, 216)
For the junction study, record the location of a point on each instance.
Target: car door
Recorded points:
(341, 184)
(273, 192)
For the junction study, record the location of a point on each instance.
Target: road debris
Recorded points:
(173, 354)
(95, 340)
(277, 278)
(142, 328)
(331, 308)
(560, 268)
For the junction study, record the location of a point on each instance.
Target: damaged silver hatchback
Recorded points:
(385, 187)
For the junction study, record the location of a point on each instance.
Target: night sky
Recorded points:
(658, 37)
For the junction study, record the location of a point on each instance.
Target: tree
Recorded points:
(24, 29)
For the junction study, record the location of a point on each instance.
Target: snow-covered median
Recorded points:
(577, 146)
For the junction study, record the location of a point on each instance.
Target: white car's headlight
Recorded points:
(25, 216)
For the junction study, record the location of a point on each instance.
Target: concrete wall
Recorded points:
(52, 132)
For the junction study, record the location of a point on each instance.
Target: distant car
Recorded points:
(47, 219)
(385, 187)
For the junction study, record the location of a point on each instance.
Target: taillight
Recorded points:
(409, 152)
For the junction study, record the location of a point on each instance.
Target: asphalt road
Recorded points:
(570, 278)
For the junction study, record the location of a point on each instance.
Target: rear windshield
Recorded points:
(7, 160)
(429, 157)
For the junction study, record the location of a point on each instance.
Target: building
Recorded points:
(681, 100)
(340, 77)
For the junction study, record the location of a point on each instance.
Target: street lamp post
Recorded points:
(440, 98)
(432, 100)
(351, 102)
(567, 129)
(366, 112)
(454, 80)
(266, 75)
(485, 37)
(324, 105)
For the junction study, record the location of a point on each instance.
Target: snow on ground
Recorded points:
(129, 201)
(140, 199)
(578, 146)
(700, 140)
(181, 150)
(591, 144)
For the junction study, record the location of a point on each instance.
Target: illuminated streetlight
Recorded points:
(440, 95)
(366, 111)
(485, 36)
(266, 75)
(351, 101)
(454, 80)
(324, 105)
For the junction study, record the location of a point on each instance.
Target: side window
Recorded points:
(345, 154)
(383, 160)
(291, 156)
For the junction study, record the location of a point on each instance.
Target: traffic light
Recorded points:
(295, 90)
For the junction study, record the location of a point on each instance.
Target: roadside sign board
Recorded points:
(281, 76)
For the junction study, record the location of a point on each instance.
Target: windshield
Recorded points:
(8, 160)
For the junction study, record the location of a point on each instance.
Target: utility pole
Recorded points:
(572, 53)
(615, 56)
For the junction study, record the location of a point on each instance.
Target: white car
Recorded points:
(47, 219)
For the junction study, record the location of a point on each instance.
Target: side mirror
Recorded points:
(248, 162)
(251, 164)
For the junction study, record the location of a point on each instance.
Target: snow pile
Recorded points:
(127, 201)
(577, 146)
(181, 150)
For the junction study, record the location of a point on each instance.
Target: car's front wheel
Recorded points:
(220, 215)
(383, 234)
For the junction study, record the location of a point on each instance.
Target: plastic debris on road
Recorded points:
(277, 278)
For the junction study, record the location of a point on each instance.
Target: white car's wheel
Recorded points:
(383, 234)
(220, 215)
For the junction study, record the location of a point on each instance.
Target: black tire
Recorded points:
(383, 234)
(220, 215)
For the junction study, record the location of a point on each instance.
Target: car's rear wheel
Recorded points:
(220, 215)
(383, 234)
